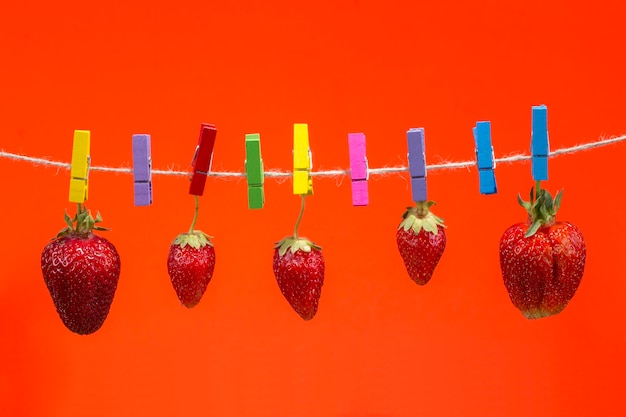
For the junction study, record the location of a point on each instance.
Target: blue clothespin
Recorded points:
(417, 163)
(539, 143)
(485, 158)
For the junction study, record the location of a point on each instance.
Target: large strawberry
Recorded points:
(81, 271)
(190, 264)
(421, 240)
(542, 260)
(299, 270)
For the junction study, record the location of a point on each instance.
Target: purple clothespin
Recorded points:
(417, 163)
(358, 169)
(142, 170)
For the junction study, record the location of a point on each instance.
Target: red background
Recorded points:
(380, 345)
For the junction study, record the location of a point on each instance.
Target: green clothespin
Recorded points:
(254, 171)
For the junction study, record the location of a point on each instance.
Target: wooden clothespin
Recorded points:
(417, 163)
(142, 170)
(302, 160)
(539, 143)
(254, 171)
(202, 159)
(485, 158)
(358, 169)
(80, 166)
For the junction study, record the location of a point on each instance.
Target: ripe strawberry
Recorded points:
(421, 240)
(299, 270)
(81, 271)
(542, 260)
(190, 265)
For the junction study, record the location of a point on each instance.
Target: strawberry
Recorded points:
(542, 260)
(190, 264)
(299, 270)
(421, 240)
(81, 271)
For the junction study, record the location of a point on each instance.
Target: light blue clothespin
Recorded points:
(539, 143)
(485, 158)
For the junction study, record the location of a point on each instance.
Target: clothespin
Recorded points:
(202, 159)
(254, 171)
(142, 170)
(358, 169)
(539, 143)
(302, 160)
(485, 158)
(80, 166)
(417, 163)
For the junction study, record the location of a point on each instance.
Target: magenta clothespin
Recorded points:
(202, 159)
(417, 163)
(142, 170)
(358, 169)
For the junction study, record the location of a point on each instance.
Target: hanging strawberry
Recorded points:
(421, 239)
(299, 270)
(81, 271)
(190, 264)
(542, 260)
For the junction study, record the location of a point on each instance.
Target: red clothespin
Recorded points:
(202, 159)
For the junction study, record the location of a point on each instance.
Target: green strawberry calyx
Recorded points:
(295, 244)
(420, 217)
(195, 239)
(541, 208)
(82, 223)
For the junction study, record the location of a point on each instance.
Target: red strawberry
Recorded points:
(542, 260)
(190, 266)
(421, 239)
(299, 270)
(81, 271)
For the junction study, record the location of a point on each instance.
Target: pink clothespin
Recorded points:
(142, 170)
(202, 159)
(358, 169)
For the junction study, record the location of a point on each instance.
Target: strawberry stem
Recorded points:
(295, 229)
(423, 208)
(537, 188)
(195, 216)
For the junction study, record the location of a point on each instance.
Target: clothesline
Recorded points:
(323, 173)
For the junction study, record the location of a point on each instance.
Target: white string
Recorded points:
(327, 173)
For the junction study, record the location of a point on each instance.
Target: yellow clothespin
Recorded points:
(302, 161)
(80, 166)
